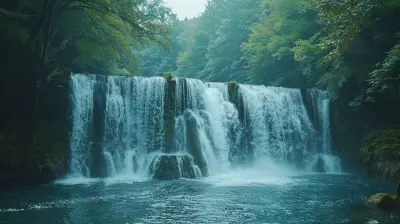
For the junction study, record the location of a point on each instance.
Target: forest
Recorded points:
(298, 43)
(349, 47)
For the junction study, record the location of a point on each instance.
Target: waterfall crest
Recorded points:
(186, 128)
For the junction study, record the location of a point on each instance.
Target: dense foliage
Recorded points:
(91, 36)
(294, 43)
(44, 40)
(380, 153)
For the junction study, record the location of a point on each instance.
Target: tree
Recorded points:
(155, 60)
(223, 52)
(268, 51)
(53, 36)
(211, 43)
(99, 28)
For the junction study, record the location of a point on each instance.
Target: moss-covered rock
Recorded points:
(384, 201)
(168, 76)
(380, 154)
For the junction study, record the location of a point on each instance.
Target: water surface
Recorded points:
(239, 197)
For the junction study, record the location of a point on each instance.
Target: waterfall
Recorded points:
(278, 123)
(82, 116)
(186, 128)
(323, 159)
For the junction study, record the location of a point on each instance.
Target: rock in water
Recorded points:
(319, 166)
(172, 167)
(398, 189)
(384, 201)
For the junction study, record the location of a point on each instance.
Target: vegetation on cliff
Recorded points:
(381, 154)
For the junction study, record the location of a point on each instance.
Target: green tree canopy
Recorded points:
(96, 35)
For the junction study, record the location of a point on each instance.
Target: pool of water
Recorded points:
(239, 197)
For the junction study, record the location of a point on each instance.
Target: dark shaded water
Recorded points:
(242, 197)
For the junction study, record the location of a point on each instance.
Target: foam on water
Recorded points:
(75, 180)
(261, 173)
(124, 179)
(127, 179)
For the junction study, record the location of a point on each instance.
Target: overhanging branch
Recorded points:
(14, 15)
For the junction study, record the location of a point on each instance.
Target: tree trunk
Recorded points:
(36, 77)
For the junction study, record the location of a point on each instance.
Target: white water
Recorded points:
(82, 107)
(276, 125)
(278, 122)
(134, 106)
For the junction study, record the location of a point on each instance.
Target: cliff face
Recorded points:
(365, 136)
(26, 161)
(380, 154)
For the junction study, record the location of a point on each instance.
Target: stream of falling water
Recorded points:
(130, 126)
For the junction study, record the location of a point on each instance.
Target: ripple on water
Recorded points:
(259, 199)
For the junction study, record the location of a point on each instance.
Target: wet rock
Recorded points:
(169, 115)
(195, 146)
(97, 160)
(319, 166)
(398, 189)
(384, 201)
(172, 167)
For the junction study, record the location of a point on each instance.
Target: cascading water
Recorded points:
(278, 123)
(130, 124)
(203, 127)
(323, 160)
(188, 128)
(82, 116)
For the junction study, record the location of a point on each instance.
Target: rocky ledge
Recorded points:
(172, 167)
(384, 201)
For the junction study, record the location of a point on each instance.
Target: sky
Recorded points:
(186, 8)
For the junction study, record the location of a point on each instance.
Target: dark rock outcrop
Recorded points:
(319, 166)
(46, 157)
(236, 99)
(195, 146)
(172, 167)
(169, 114)
(242, 152)
(398, 189)
(384, 201)
(97, 160)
